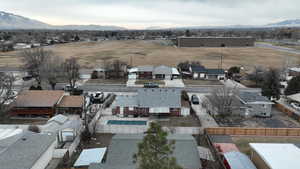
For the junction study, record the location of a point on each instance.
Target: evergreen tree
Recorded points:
(293, 86)
(271, 84)
(155, 151)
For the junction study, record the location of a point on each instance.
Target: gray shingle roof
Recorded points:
(251, 97)
(24, 152)
(146, 68)
(162, 70)
(125, 101)
(159, 98)
(124, 146)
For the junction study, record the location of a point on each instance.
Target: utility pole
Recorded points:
(221, 61)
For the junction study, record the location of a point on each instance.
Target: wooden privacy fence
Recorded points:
(253, 131)
(288, 111)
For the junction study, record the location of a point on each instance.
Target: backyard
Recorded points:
(189, 121)
(278, 120)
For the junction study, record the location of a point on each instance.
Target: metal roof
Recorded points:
(88, 156)
(5, 133)
(61, 119)
(124, 146)
(295, 97)
(146, 68)
(251, 98)
(159, 97)
(25, 151)
(166, 70)
(278, 156)
(238, 160)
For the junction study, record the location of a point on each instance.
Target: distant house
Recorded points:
(37, 102)
(215, 74)
(153, 72)
(294, 71)
(200, 72)
(27, 150)
(70, 105)
(157, 102)
(253, 104)
(275, 156)
(16, 72)
(124, 146)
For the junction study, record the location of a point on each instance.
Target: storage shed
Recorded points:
(275, 156)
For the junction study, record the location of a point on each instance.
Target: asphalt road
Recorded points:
(279, 48)
(123, 88)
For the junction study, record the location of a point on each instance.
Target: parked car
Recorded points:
(68, 88)
(27, 78)
(296, 106)
(151, 85)
(98, 98)
(195, 99)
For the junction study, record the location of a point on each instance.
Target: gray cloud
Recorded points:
(144, 13)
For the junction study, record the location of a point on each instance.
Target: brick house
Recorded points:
(46, 102)
(37, 102)
(156, 102)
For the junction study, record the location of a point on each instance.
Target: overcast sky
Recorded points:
(162, 13)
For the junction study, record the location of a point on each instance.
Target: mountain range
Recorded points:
(12, 21)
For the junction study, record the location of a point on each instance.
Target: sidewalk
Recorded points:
(232, 84)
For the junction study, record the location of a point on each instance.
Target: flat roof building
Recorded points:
(275, 156)
(215, 41)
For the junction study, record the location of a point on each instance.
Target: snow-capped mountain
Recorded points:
(12, 21)
(286, 23)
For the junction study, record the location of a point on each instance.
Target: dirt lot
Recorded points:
(278, 120)
(92, 54)
(242, 142)
(189, 121)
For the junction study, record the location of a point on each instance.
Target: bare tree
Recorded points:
(116, 69)
(257, 75)
(221, 100)
(34, 59)
(52, 70)
(6, 91)
(71, 71)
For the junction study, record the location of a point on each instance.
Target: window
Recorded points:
(131, 108)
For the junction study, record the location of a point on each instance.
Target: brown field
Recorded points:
(92, 54)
